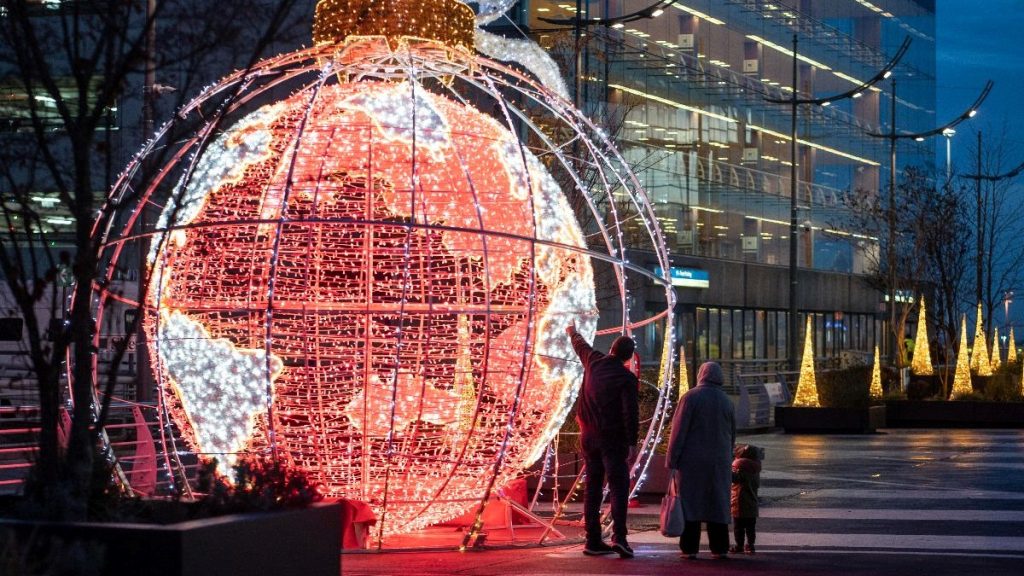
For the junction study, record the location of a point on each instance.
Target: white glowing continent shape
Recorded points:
(222, 388)
(224, 162)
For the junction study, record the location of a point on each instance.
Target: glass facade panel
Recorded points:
(687, 96)
(727, 340)
(739, 350)
(759, 332)
(783, 335)
(714, 334)
(702, 334)
(749, 334)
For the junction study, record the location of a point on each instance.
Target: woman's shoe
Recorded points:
(749, 549)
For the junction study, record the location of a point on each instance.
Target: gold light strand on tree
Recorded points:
(1011, 349)
(684, 377)
(979, 354)
(996, 358)
(875, 391)
(962, 376)
(807, 388)
(922, 363)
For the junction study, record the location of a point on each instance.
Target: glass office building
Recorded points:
(686, 89)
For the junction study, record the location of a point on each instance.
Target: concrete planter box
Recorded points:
(301, 542)
(954, 414)
(830, 420)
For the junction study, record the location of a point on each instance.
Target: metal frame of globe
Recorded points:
(452, 73)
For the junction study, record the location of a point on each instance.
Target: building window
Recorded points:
(17, 104)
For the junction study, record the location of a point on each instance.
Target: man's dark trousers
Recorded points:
(605, 461)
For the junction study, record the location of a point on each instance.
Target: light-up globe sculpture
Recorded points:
(357, 270)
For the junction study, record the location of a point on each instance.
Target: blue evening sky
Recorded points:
(979, 40)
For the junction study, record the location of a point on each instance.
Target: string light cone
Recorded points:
(875, 390)
(922, 361)
(996, 354)
(1011, 348)
(358, 271)
(980, 363)
(807, 387)
(962, 376)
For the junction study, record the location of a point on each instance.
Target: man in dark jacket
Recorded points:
(608, 414)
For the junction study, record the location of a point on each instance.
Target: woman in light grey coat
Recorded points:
(700, 457)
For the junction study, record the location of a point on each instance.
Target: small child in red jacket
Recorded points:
(746, 479)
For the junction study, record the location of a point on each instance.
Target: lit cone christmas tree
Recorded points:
(875, 390)
(962, 376)
(359, 272)
(807, 387)
(921, 364)
(980, 362)
(1011, 349)
(996, 354)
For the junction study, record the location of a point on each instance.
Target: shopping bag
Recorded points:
(671, 511)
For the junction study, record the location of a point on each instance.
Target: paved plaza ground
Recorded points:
(901, 502)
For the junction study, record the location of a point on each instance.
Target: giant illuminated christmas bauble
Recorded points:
(404, 254)
(364, 261)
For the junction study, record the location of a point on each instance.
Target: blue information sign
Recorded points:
(687, 277)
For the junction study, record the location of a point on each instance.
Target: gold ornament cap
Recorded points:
(449, 22)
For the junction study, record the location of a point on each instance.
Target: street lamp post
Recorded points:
(795, 101)
(980, 230)
(794, 248)
(893, 136)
